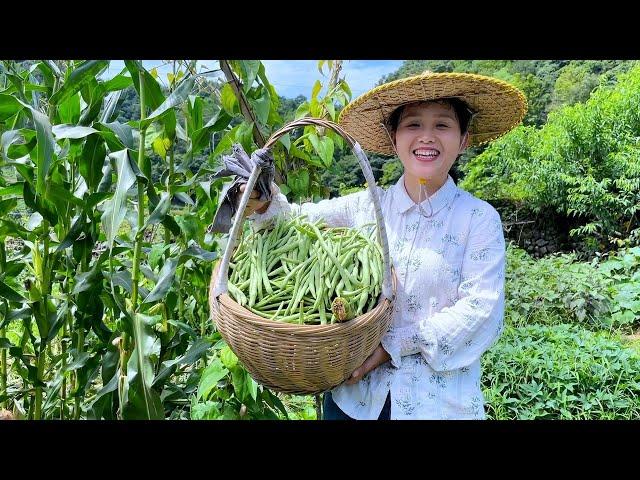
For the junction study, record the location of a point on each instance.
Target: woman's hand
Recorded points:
(378, 357)
(253, 205)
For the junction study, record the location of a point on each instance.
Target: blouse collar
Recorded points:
(440, 199)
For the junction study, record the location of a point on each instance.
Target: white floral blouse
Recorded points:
(450, 299)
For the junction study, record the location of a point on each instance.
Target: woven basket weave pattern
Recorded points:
(301, 359)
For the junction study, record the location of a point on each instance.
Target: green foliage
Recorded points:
(391, 172)
(547, 84)
(560, 372)
(102, 321)
(554, 289)
(582, 163)
(227, 392)
(622, 273)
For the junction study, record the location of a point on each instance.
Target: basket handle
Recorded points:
(387, 291)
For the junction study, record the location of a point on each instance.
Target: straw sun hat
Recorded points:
(497, 105)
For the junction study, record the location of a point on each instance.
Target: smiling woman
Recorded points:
(429, 137)
(448, 251)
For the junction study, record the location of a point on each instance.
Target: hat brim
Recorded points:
(499, 106)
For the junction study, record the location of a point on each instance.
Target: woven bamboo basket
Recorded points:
(301, 359)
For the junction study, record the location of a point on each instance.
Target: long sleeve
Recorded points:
(337, 212)
(458, 335)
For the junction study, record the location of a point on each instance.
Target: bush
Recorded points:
(622, 274)
(560, 372)
(581, 163)
(554, 289)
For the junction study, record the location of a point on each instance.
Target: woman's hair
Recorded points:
(462, 110)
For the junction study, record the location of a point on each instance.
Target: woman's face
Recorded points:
(428, 141)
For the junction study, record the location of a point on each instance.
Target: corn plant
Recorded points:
(105, 327)
(103, 291)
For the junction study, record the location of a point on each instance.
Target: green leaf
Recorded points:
(324, 147)
(194, 113)
(159, 147)
(215, 372)
(165, 281)
(92, 160)
(195, 251)
(24, 139)
(143, 401)
(111, 102)
(49, 69)
(197, 350)
(201, 138)
(69, 110)
(9, 293)
(328, 103)
(39, 204)
(239, 379)
(9, 204)
(79, 78)
(284, 189)
(123, 132)
(298, 181)
(225, 143)
(62, 196)
(74, 232)
(9, 106)
(228, 99)
(184, 198)
(44, 147)
(160, 211)
(87, 280)
(119, 82)
(244, 136)
(93, 94)
(116, 207)
(228, 358)
(72, 131)
(345, 87)
(261, 106)
(252, 387)
(286, 141)
(177, 97)
(189, 226)
(316, 89)
(248, 71)
(153, 94)
(167, 221)
(302, 110)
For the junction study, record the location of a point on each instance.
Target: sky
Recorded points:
(296, 77)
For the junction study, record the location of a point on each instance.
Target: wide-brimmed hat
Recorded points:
(497, 106)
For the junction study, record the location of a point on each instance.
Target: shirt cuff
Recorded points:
(399, 342)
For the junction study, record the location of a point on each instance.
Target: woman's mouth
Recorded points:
(426, 154)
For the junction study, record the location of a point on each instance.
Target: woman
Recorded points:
(446, 246)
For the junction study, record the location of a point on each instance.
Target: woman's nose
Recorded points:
(426, 135)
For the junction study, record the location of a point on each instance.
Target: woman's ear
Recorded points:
(464, 142)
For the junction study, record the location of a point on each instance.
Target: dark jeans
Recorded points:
(331, 411)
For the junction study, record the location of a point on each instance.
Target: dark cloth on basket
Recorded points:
(240, 165)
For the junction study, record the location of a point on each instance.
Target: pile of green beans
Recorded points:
(295, 271)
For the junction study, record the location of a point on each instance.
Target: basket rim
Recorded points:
(255, 320)
(304, 329)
